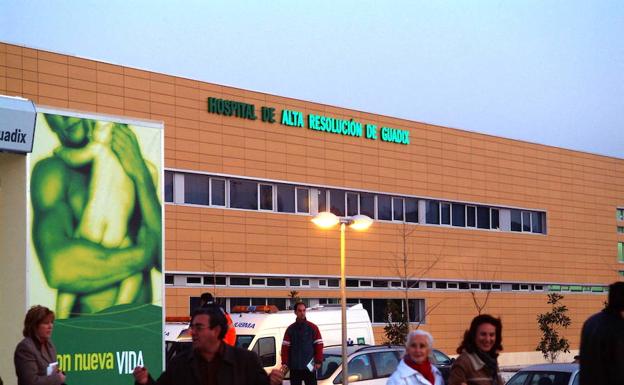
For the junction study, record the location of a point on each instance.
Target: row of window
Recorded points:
(320, 283)
(245, 194)
(376, 308)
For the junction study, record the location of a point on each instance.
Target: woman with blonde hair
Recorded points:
(416, 367)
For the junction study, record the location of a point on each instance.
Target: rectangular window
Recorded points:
(305, 282)
(471, 216)
(458, 215)
(464, 286)
(495, 224)
(417, 310)
(276, 281)
(266, 197)
(445, 213)
(303, 200)
(244, 194)
(322, 200)
(353, 201)
(214, 280)
(378, 283)
(619, 215)
(322, 282)
(333, 282)
(433, 212)
(397, 209)
(366, 283)
(516, 220)
(367, 205)
(258, 301)
(440, 285)
(285, 198)
(193, 280)
(337, 202)
(168, 186)
(239, 281)
(279, 302)
(217, 192)
(295, 282)
(168, 279)
(411, 210)
(483, 217)
(352, 283)
(239, 302)
(620, 229)
(536, 222)
(620, 252)
(384, 208)
(526, 221)
(196, 189)
(258, 281)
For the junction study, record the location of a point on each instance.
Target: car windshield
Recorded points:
(243, 340)
(331, 362)
(540, 378)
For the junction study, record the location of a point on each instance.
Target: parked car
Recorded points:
(547, 374)
(369, 365)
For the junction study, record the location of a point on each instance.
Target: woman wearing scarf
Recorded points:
(416, 368)
(477, 362)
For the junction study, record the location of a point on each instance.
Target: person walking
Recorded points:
(478, 353)
(301, 346)
(211, 361)
(35, 355)
(602, 342)
(416, 367)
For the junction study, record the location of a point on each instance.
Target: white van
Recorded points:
(263, 332)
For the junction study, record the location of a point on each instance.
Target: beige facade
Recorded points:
(577, 193)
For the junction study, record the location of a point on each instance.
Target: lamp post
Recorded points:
(326, 220)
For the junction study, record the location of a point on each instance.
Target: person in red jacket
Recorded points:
(206, 299)
(302, 345)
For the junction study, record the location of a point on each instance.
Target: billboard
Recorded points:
(95, 250)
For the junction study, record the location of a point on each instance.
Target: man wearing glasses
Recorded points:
(211, 362)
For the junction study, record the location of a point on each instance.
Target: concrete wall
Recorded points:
(12, 259)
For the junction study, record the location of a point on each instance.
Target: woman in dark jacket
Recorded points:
(477, 362)
(35, 356)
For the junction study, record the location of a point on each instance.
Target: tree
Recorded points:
(294, 298)
(397, 327)
(550, 324)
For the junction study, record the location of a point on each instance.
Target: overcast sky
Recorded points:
(549, 72)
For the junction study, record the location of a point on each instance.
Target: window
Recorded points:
(411, 210)
(440, 285)
(322, 282)
(385, 363)
(518, 379)
(445, 213)
(258, 281)
(516, 220)
(397, 209)
(433, 212)
(280, 303)
(266, 197)
(536, 222)
(244, 194)
(620, 251)
(337, 202)
(458, 215)
(265, 349)
(452, 285)
(214, 280)
(619, 215)
(217, 192)
(168, 186)
(285, 198)
(352, 283)
(483, 217)
(322, 200)
(366, 283)
(239, 281)
(384, 208)
(526, 221)
(495, 224)
(353, 201)
(333, 283)
(463, 286)
(196, 189)
(295, 282)
(378, 283)
(305, 282)
(471, 216)
(276, 281)
(620, 229)
(303, 200)
(168, 279)
(193, 280)
(367, 205)
(360, 368)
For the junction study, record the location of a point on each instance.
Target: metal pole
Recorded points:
(343, 306)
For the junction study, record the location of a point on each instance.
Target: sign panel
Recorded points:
(95, 252)
(17, 124)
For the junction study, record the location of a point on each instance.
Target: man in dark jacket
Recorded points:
(211, 362)
(302, 343)
(602, 342)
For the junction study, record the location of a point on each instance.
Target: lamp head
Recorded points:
(325, 220)
(360, 222)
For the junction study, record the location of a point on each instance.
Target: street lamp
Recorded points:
(326, 220)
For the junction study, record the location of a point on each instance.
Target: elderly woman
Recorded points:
(477, 362)
(35, 356)
(416, 367)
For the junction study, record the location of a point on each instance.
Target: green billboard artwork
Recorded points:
(96, 243)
